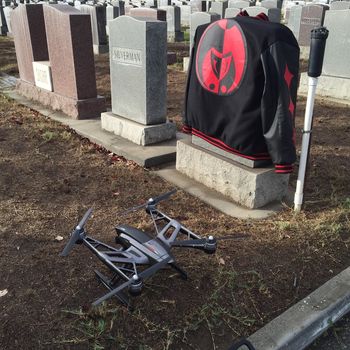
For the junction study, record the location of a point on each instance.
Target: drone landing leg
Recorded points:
(179, 270)
(107, 283)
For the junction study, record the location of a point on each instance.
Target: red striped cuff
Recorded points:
(283, 168)
(186, 129)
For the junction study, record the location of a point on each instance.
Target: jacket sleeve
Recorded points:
(280, 62)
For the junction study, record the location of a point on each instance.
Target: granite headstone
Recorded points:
(148, 13)
(30, 39)
(138, 63)
(312, 16)
(238, 4)
(219, 7)
(340, 5)
(294, 20)
(198, 19)
(112, 11)
(69, 42)
(232, 12)
(173, 23)
(185, 15)
(273, 14)
(337, 53)
(98, 26)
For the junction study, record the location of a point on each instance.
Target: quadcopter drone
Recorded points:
(138, 255)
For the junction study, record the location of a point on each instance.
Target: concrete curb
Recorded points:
(301, 324)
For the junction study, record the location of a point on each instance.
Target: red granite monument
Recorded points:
(64, 77)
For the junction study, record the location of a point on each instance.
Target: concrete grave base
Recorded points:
(327, 86)
(252, 188)
(99, 49)
(76, 109)
(140, 134)
(247, 162)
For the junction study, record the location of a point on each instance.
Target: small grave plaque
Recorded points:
(42, 75)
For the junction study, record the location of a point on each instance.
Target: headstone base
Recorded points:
(244, 161)
(140, 134)
(76, 109)
(332, 87)
(252, 188)
(175, 37)
(99, 49)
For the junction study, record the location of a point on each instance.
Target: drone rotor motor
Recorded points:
(210, 245)
(136, 286)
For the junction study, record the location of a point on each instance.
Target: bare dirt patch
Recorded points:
(49, 176)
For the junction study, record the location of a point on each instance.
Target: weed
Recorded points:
(48, 136)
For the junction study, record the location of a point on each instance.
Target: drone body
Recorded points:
(137, 255)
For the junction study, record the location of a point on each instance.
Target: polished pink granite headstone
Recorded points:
(70, 56)
(29, 34)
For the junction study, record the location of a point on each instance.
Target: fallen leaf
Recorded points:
(221, 261)
(3, 292)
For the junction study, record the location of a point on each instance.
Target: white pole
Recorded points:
(305, 145)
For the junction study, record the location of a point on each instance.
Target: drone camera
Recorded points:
(135, 287)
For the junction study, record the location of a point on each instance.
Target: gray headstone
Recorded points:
(196, 5)
(198, 19)
(219, 7)
(340, 5)
(312, 16)
(205, 5)
(173, 23)
(185, 15)
(112, 11)
(271, 4)
(138, 64)
(238, 4)
(294, 20)
(98, 23)
(273, 14)
(337, 54)
(164, 3)
(147, 13)
(7, 14)
(3, 25)
(232, 12)
(77, 4)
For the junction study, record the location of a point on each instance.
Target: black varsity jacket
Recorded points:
(241, 89)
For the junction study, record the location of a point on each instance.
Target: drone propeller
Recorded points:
(75, 236)
(135, 279)
(237, 237)
(151, 201)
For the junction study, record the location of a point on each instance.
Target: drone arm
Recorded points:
(207, 244)
(143, 275)
(178, 228)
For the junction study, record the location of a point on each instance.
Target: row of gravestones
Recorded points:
(176, 16)
(302, 19)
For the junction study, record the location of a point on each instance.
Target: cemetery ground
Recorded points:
(49, 176)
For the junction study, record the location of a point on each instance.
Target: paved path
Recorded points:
(7, 82)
